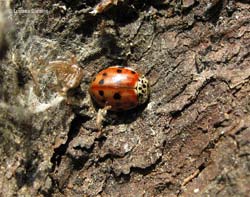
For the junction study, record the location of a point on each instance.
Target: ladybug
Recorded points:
(122, 88)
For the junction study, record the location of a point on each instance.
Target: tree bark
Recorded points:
(192, 138)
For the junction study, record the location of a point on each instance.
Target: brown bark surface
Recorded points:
(192, 138)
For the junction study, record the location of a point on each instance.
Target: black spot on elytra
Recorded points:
(117, 96)
(119, 71)
(143, 91)
(101, 82)
(140, 94)
(104, 74)
(140, 88)
(101, 93)
(144, 86)
(133, 72)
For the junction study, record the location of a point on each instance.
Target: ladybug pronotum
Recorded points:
(121, 88)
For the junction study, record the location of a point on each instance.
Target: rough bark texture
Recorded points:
(191, 138)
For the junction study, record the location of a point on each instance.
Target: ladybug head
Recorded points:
(142, 89)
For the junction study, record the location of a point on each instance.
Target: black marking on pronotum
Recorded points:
(101, 82)
(144, 86)
(133, 72)
(119, 71)
(101, 92)
(117, 96)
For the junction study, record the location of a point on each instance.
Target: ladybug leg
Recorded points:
(101, 115)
